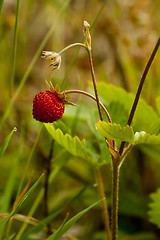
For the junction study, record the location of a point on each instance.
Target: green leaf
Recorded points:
(11, 181)
(158, 104)
(115, 131)
(154, 127)
(144, 114)
(62, 229)
(6, 142)
(72, 144)
(4, 221)
(118, 113)
(145, 138)
(154, 212)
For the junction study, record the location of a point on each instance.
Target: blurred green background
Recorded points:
(123, 36)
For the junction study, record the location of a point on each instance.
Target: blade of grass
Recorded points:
(35, 205)
(58, 232)
(19, 193)
(11, 182)
(30, 214)
(6, 142)
(4, 221)
(49, 218)
(1, 5)
(14, 47)
(35, 57)
(62, 229)
(28, 160)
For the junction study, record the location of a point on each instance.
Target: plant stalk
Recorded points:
(91, 96)
(115, 191)
(104, 202)
(71, 46)
(94, 83)
(141, 84)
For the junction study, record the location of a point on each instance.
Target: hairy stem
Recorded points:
(141, 84)
(94, 83)
(104, 203)
(91, 96)
(115, 189)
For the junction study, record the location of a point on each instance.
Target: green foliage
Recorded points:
(4, 221)
(144, 115)
(145, 138)
(6, 142)
(124, 65)
(77, 147)
(154, 212)
(158, 104)
(115, 131)
(9, 188)
(62, 229)
(72, 144)
(35, 57)
(1, 5)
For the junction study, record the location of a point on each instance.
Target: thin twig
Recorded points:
(104, 204)
(110, 143)
(94, 83)
(115, 191)
(91, 96)
(143, 78)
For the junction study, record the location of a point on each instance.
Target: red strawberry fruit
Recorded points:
(48, 106)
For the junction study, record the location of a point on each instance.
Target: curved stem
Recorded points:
(71, 46)
(91, 96)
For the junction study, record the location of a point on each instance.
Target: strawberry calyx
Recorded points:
(60, 95)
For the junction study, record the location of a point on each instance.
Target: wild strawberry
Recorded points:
(48, 106)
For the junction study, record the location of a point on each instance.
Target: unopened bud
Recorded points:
(87, 35)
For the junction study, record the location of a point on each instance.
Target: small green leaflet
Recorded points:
(154, 212)
(115, 131)
(72, 144)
